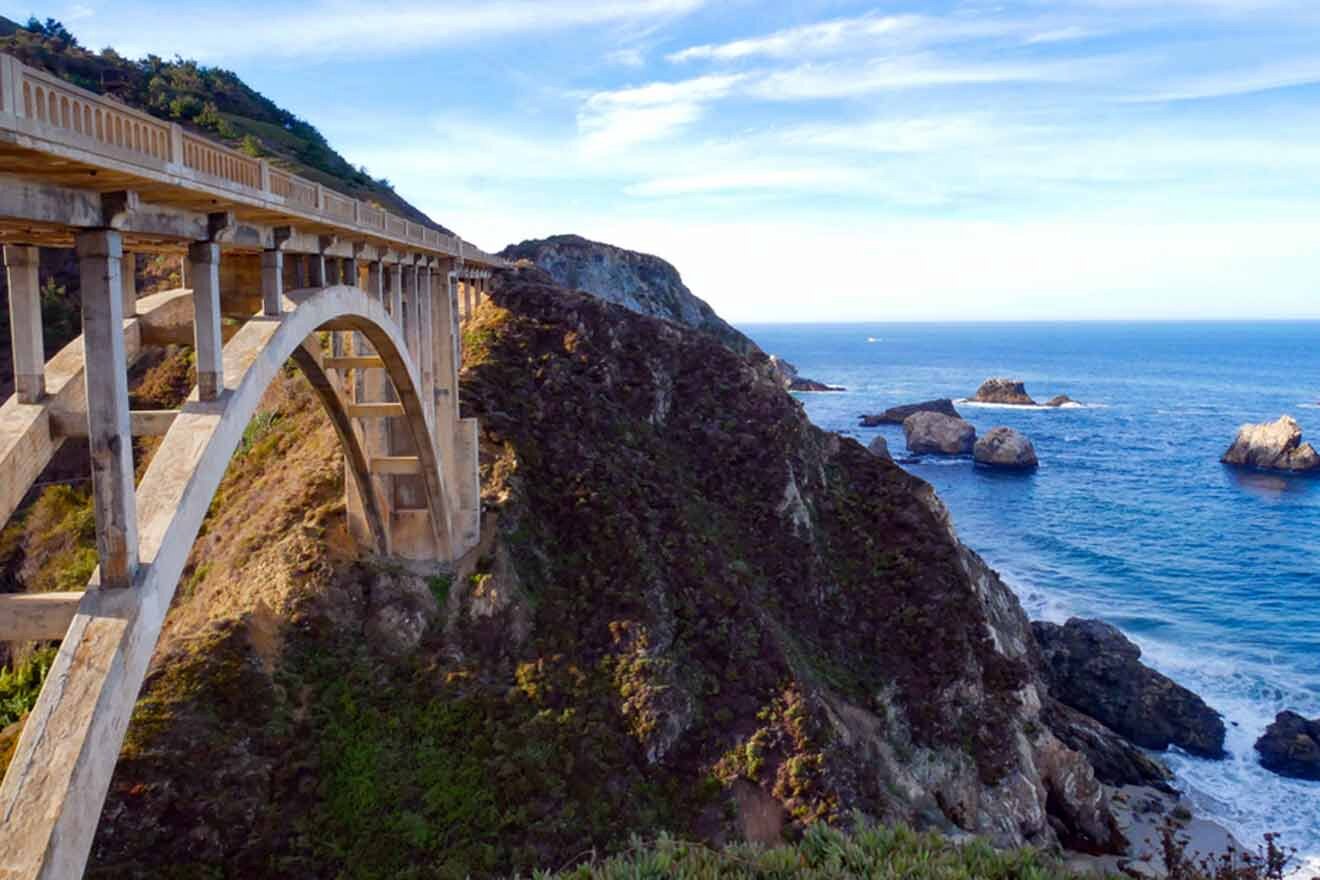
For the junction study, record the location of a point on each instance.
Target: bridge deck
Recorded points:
(63, 136)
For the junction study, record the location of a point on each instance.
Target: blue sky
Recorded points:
(822, 160)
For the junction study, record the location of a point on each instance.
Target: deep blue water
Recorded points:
(1131, 518)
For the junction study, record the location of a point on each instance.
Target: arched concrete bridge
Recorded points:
(387, 294)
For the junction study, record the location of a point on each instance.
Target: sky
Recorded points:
(825, 160)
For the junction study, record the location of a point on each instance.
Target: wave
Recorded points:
(1072, 404)
(1237, 792)
(1308, 406)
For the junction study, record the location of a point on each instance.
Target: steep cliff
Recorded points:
(693, 611)
(640, 282)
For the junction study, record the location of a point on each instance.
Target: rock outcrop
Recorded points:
(1061, 400)
(879, 447)
(792, 381)
(934, 433)
(1273, 446)
(1093, 668)
(1291, 746)
(896, 415)
(640, 282)
(1006, 449)
(1004, 391)
(1116, 760)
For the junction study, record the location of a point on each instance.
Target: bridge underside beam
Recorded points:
(37, 617)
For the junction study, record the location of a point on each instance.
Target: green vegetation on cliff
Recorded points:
(210, 100)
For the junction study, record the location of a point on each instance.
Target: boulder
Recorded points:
(1273, 446)
(1007, 391)
(1291, 747)
(896, 415)
(1007, 449)
(929, 432)
(879, 446)
(1092, 667)
(1060, 400)
(1115, 759)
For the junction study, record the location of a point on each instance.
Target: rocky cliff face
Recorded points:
(692, 611)
(640, 282)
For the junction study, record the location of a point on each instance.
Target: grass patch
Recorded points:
(824, 853)
(20, 686)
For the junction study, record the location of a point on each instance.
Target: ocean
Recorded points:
(1131, 518)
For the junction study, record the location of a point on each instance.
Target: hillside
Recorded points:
(208, 100)
(643, 283)
(693, 612)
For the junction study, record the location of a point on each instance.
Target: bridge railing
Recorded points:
(46, 108)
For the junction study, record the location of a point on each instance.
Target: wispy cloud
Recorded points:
(611, 120)
(352, 28)
(1263, 78)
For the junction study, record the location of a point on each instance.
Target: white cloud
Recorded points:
(849, 79)
(609, 121)
(1266, 77)
(352, 28)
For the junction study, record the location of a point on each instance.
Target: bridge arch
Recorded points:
(61, 770)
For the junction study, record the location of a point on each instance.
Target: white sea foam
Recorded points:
(1072, 404)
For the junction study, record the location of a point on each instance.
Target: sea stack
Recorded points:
(1273, 446)
(1291, 747)
(896, 415)
(1003, 391)
(1005, 449)
(933, 433)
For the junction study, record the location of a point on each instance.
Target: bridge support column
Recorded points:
(204, 259)
(396, 293)
(272, 283)
(410, 310)
(372, 386)
(316, 271)
(351, 275)
(25, 322)
(426, 345)
(128, 283)
(109, 433)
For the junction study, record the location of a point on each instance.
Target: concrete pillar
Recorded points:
(299, 271)
(351, 272)
(25, 322)
(185, 279)
(272, 283)
(410, 310)
(376, 280)
(396, 293)
(316, 271)
(204, 258)
(128, 283)
(426, 347)
(109, 435)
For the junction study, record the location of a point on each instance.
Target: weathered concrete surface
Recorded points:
(109, 437)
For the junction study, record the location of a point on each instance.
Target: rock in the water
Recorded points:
(1093, 668)
(879, 446)
(1007, 449)
(929, 432)
(1008, 391)
(1060, 400)
(1273, 446)
(1116, 760)
(1291, 746)
(898, 414)
(788, 376)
